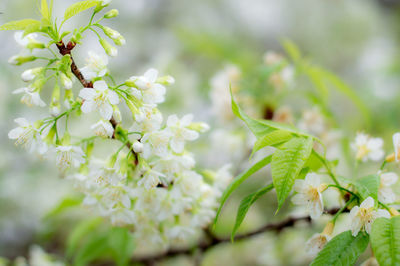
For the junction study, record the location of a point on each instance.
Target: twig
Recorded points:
(66, 49)
(213, 240)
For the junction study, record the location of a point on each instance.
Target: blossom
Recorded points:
(362, 217)
(312, 121)
(180, 132)
(29, 41)
(96, 66)
(396, 144)
(137, 147)
(27, 136)
(309, 193)
(385, 192)
(150, 179)
(316, 243)
(147, 120)
(30, 97)
(100, 97)
(69, 156)
(155, 143)
(30, 74)
(103, 129)
(368, 148)
(152, 91)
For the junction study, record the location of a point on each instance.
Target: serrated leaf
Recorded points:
(287, 163)
(245, 205)
(385, 240)
(343, 249)
(273, 138)
(314, 162)
(79, 7)
(368, 186)
(239, 180)
(18, 24)
(261, 128)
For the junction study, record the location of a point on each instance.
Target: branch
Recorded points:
(66, 49)
(214, 240)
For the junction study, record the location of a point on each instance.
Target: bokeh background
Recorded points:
(194, 41)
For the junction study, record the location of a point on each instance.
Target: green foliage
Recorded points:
(66, 203)
(385, 240)
(245, 205)
(44, 10)
(121, 244)
(239, 180)
(19, 24)
(262, 127)
(271, 139)
(287, 163)
(368, 187)
(343, 249)
(79, 7)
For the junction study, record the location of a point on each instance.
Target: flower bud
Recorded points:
(111, 14)
(110, 50)
(19, 60)
(130, 83)
(199, 127)
(120, 41)
(137, 147)
(55, 101)
(35, 45)
(166, 80)
(66, 81)
(68, 98)
(30, 74)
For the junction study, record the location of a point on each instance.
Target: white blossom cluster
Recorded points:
(149, 183)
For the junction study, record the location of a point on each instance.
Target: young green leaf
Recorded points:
(368, 186)
(273, 138)
(44, 10)
(385, 240)
(287, 163)
(19, 24)
(94, 248)
(79, 7)
(292, 50)
(245, 205)
(239, 180)
(262, 127)
(343, 249)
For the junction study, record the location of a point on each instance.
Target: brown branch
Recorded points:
(66, 49)
(214, 240)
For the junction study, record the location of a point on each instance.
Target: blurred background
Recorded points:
(207, 45)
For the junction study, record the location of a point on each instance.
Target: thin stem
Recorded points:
(342, 209)
(343, 189)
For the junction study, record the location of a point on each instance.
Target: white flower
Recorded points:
(31, 74)
(309, 193)
(69, 156)
(25, 41)
(27, 136)
(316, 243)
(103, 129)
(100, 97)
(147, 120)
(66, 81)
(30, 97)
(362, 217)
(155, 143)
(96, 66)
(180, 132)
(152, 92)
(385, 193)
(147, 81)
(312, 122)
(150, 179)
(396, 144)
(368, 148)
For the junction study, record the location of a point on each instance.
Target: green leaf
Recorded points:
(93, 249)
(368, 186)
(122, 245)
(79, 7)
(19, 24)
(343, 249)
(65, 204)
(292, 50)
(239, 180)
(34, 27)
(273, 138)
(262, 127)
(44, 10)
(245, 205)
(79, 232)
(315, 161)
(287, 163)
(385, 240)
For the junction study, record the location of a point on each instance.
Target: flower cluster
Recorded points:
(147, 181)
